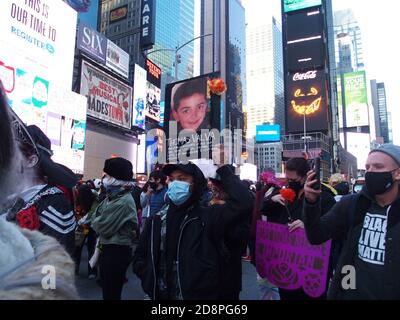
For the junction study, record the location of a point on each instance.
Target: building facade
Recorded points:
(378, 94)
(174, 27)
(225, 52)
(349, 49)
(124, 31)
(265, 86)
(269, 157)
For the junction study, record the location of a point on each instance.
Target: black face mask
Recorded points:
(296, 186)
(378, 183)
(153, 185)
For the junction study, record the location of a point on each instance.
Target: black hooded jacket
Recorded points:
(195, 236)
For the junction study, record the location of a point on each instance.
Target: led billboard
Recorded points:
(305, 43)
(293, 5)
(357, 113)
(35, 39)
(268, 133)
(139, 97)
(307, 96)
(153, 97)
(189, 109)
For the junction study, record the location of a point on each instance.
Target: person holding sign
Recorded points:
(281, 211)
(369, 226)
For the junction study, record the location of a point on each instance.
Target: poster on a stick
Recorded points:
(289, 261)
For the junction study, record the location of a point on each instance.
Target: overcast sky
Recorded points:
(379, 25)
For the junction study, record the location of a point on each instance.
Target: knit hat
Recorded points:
(391, 150)
(119, 168)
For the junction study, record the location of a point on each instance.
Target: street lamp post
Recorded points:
(176, 52)
(305, 134)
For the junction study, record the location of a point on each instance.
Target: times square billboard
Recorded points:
(304, 33)
(307, 96)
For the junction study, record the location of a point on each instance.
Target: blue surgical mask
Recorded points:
(179, 192)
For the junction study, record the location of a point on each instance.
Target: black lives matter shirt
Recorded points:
(370, 261)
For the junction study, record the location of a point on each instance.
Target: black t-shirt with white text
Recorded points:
(370, 259)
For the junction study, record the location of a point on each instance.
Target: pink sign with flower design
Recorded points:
(289, 261)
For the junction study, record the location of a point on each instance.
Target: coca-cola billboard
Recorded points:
(307, 96)
(305, 76)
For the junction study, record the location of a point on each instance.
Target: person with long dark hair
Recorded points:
(85, 205)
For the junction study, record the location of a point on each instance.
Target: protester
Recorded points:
(279, 210)
(180, 255)
(145, 204)
(86, 205)
(368, 224)
(115, 222)
(236, 235)
(190, 106)
(156, 192)
(42, 205)
(24, 254)
(340, 184)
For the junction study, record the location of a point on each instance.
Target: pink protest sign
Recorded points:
(289, 261)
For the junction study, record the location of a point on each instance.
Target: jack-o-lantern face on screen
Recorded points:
(306, 103)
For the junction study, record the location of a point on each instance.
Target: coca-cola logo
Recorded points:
(305, 76)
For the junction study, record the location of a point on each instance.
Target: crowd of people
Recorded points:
(183, 233)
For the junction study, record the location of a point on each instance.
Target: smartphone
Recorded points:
(317, 170)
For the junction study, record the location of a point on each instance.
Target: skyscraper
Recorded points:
(174, 27)
(378, 94)
(265, 87)
(120, 22)
(225, 52)
(349, 50)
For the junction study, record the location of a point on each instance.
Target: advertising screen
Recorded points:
(293, 5)
(139, 97)
(36, 67)
(268, 133)
(340, 101)
(35, 39)
(153, 97)
(305, 43)
(59, 113)
(88, 11)
(108, 99)
(105, 52)
(307, 96)
(356, 99)
(359, 145)
(118, 14)
(117, 59)
(304, 24)
(189, 109)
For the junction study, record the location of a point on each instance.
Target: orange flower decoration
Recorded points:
(217, 86)
(288, 194)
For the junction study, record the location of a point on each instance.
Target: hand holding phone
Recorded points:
(317, 170)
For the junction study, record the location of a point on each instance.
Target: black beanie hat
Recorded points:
(119, 168)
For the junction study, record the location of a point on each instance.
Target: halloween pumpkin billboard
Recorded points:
(306, 96)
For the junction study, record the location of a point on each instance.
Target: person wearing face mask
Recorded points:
(279, 211)
(368, 224)
(115, 222)
(42, 204)
(156, 192)
(179, 256)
